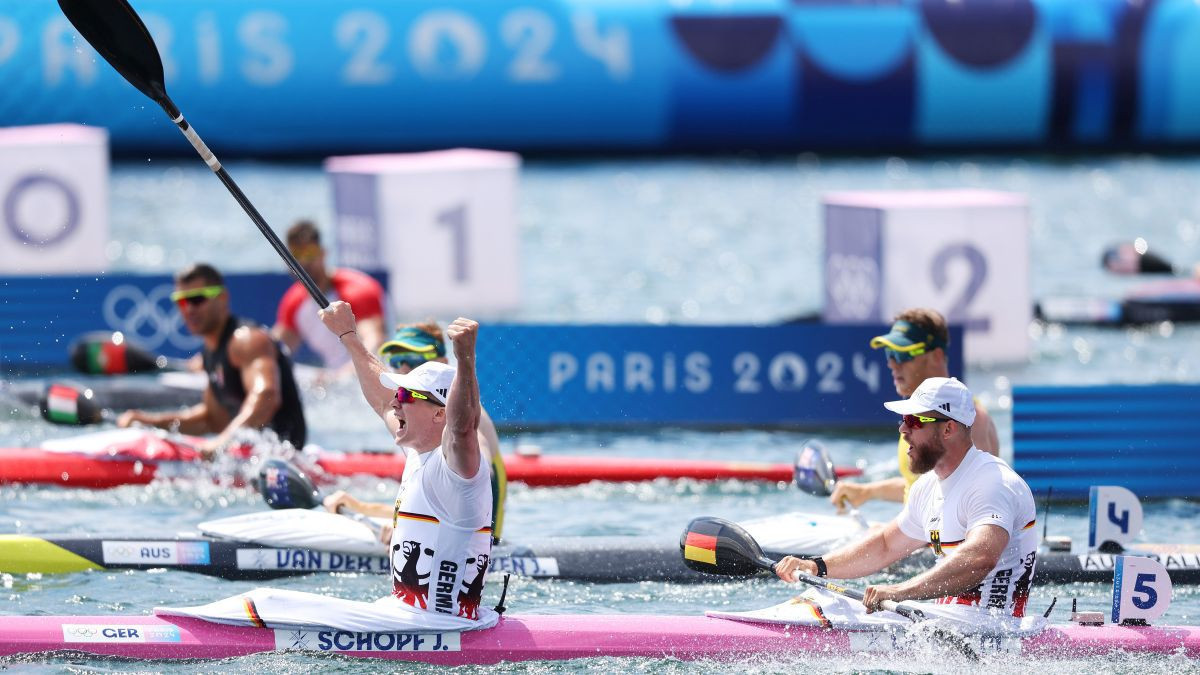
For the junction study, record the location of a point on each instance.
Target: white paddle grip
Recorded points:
(198, 143)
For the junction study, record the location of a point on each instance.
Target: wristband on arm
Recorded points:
(822, 568)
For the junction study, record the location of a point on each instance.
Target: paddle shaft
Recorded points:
(910, 613)
(119, 35)
(889, 605)
(213, 163)
(375, 527)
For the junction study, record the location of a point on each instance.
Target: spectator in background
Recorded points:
(297, 320)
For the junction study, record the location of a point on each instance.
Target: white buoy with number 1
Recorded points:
(1114, 515)
(1141, 590)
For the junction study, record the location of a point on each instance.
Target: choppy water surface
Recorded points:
(713, 241)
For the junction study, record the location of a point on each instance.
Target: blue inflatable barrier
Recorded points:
(308, 76)
(1143, 437)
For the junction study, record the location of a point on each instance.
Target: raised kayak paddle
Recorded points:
(117, 33)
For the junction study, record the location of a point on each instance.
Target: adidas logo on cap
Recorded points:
(945, 394)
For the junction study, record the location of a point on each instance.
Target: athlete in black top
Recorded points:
(250, 378)
(225, 381)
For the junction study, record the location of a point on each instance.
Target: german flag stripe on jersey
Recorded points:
(700, 547)
(946, 544)
(1030, 524)
(430, 519)
(252, 612)
(417, 516)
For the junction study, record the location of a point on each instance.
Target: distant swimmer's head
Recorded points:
(413, 345)
(1134, 258)
(915, 348)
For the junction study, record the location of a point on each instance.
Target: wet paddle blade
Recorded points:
(117, 33)
(66, 404)
(814, 470)
(105, 353)
(717, 546)
(284, 486)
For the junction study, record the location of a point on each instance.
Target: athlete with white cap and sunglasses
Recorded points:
(969, 507)
(915, 349)
(441, 537)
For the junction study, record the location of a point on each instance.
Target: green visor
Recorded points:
(410, 339)
(907, 341)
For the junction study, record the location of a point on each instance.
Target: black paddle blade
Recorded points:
(284, 486)
(717, 546)
(66, 404)
(814, 470)
(104, 353)
(117, 33)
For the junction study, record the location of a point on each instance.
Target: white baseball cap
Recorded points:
(433, 377)
(945, 395)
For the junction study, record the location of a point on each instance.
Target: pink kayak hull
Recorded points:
(540, 637)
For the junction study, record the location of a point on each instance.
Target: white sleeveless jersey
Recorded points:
(983, 490)
(442, 537)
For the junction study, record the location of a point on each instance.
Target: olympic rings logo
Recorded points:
(24, 234)
(150, 318)
(82, 632)
(853, 283)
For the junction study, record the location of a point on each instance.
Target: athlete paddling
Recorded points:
(250, 382)
(969, 507)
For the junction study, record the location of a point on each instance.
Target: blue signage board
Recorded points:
(805, 374)
(44, 314)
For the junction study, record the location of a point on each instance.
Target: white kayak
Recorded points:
(324, 531)
(298, 528)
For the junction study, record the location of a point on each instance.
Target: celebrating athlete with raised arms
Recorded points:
(443, 510)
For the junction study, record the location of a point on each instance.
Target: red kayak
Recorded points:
(134, 457)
